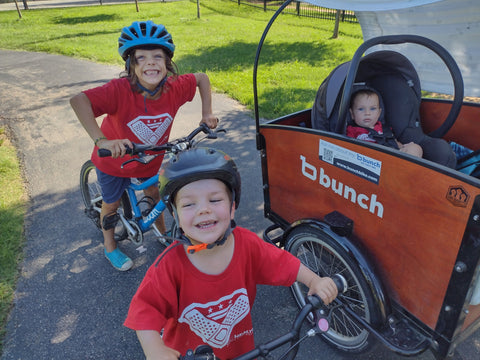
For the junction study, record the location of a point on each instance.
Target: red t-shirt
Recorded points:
(131, 116)
(362, 133)
(194, 308)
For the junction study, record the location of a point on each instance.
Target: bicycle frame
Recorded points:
(143, 223)
(134, 223)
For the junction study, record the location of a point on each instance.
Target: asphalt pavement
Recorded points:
(70, 303)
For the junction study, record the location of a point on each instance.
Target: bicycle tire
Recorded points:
(92, 199)
(322, 254)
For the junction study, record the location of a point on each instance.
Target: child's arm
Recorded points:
(83, 109)
(324, 287)
(153, 346)
(203, 83)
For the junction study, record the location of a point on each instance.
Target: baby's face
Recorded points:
(366, 110)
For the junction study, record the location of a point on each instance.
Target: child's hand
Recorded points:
(166, 354)
(153, 346)
(210, 120)
(116, 147)
(325, 288)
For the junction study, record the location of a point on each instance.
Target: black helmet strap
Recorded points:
(154, 91)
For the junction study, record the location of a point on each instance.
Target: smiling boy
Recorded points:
(201, 289)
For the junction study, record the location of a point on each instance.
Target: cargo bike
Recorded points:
(404, 231)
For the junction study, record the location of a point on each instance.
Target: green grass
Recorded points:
(12, 211)
(298, 54)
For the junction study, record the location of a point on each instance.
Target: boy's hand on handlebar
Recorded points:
(325, 288)
(117, 147)
(154, 347)
(210, 120)
(166, 354)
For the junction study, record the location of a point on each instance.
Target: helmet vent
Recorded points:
(143, 29)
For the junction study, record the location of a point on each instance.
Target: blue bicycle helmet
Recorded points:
(144, 33)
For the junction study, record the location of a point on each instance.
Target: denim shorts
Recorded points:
(113, 186)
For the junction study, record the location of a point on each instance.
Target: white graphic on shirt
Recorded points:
(150, 129)
(214, 321)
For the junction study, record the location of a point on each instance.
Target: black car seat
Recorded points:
(395, 78)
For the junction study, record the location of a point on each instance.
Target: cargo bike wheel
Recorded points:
(92, 199)
(319, 251)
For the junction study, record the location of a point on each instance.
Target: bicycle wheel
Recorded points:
(91, 192)
(323, 255)
(92, 199)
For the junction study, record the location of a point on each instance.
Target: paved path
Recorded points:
(69, 302)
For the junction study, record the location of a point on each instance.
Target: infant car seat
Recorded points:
(395, 78)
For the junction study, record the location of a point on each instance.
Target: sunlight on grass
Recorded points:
(298, 54)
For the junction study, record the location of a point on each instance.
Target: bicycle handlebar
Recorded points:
(174, 146)
(312, 303)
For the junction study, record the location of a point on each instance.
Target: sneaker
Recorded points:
(119, 260)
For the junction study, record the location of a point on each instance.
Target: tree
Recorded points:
(337, 24)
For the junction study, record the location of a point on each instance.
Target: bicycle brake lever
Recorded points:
(142, 160)
(129, 161)
(213, 135)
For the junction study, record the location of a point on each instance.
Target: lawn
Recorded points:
(298, 54)
(12, 211)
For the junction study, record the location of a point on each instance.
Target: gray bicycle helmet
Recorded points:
(144, 34)
(198, 164)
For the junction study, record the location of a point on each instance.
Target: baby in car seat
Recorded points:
(365, 111)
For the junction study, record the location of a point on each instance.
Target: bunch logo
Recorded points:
(150, 129)
(214, 321)
(366, 202)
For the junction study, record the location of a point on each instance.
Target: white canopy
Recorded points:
(454, 24)
(368, 5)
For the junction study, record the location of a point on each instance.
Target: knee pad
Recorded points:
(109, 221)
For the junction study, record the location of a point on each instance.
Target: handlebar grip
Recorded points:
(340, 282)
(204, 354)
(107, 153)
(104, 153)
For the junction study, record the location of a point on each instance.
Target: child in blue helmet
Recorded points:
(140, 107)
(201, 289)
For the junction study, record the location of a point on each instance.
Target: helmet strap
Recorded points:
(154, 91)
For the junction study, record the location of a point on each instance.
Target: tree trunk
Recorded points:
(337, 23)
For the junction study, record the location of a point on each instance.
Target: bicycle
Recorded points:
(321, 315)
(137, 216)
